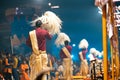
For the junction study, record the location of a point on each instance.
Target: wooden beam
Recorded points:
(104, 37)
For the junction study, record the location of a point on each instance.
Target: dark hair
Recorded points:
(38, 23)
(83, 49)
(66, 42)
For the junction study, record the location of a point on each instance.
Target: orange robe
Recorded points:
(8, 68)
(24, 74)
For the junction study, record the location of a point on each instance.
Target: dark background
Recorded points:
(80, 20)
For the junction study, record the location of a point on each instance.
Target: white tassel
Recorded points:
(50, 21)
(83, 43)
(61, 38)
(92, 51)
(95, 52)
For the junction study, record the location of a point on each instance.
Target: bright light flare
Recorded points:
(72, 56)
(74, 45)
(55, 7)
(49, 4)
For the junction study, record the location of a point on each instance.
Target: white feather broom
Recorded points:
(50, 21)
(61, 38)
(83, 44)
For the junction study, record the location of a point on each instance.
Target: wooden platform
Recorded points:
(74, 78)
(78, 77)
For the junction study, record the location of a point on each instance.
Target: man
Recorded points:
(14, 69)
(8, 67)
(83, 45)
(24, 69)
(66, 57)
(68, 47)
(38, 59)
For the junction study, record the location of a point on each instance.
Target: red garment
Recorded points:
(84, 53)
(62, 54)
(41, 35)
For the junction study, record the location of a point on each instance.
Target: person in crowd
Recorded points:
(1, 67)
(24, 69)
(8, 67)
(1, 77)
(1, 64)
(15, 67)
(60, 70)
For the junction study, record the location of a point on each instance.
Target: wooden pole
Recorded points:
(110, 11)
(11, 43)
(115, 51)
(104, 39)
(112, 62)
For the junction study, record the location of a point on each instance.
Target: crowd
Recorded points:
(16, 67)
(20, 67)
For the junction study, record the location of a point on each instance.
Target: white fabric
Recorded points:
(83, 44)
(61, 38)
(115, 0)
(60, 68)
(91, 57)
(100, 3)
(34, 42)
